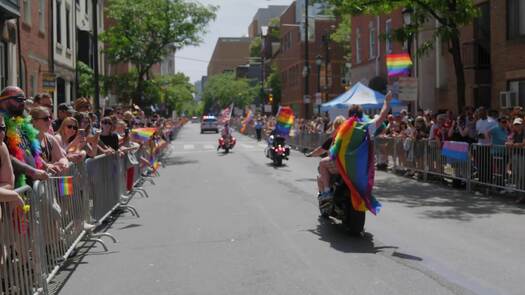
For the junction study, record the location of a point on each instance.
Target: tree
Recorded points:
(173, 91)
(85, 80)
(222, 90)
(343, 35)
(274, 82)
(450, 14)
(143, 30)
(256, 47)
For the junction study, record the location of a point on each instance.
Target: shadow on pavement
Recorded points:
(441, 202)
(178, 161)
(333, 233)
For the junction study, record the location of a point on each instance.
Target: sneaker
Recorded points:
(89, 227)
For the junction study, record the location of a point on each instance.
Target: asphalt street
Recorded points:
(233, 224)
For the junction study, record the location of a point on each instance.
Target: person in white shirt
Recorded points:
(483, 125)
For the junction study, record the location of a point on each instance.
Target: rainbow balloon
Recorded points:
(354, 156)
(285, 119)
(65, 186)
(398, 64)
(143, 134)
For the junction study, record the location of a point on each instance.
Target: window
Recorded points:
(518, 87)
(59, 22)
(515, 19)
(42, 16)
(27, 12)
(388, 32)
(68, 28)
(358, 45)
(372, 41)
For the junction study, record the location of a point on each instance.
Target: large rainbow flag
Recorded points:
(143, 134)
(398, 64)
(354, 156)
(285, 119)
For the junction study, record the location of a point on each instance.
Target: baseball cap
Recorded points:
(518, 121)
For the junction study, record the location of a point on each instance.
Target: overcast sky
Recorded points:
(233, 19)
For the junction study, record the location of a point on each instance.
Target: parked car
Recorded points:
(209, 123)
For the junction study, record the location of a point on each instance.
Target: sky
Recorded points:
(233, 19)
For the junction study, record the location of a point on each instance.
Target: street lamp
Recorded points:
(264, 33)
(407, 20)
(306, 70)
(318, 62)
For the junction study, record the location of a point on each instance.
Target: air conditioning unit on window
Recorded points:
(508, 99)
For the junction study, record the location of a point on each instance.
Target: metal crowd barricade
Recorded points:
(498, 166)
(20, 253)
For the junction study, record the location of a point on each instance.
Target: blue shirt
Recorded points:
(499, 137)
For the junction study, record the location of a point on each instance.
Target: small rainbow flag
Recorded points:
(65, 186)
(354, 156)
(285, 119)
(143, 134)
(398, 64)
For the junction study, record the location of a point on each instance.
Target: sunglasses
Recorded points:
(72, 127)
(107, 123)
(3, 128)
(19, 98)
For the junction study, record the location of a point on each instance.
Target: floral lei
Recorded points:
(23, 125)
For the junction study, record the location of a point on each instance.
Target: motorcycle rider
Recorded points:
(328, 167)
(226, 133)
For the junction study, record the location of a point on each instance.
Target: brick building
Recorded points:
(262, 17)
(325, 79)
(228, 54)
(35, 47)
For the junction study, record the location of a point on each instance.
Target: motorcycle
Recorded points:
(278, 151)
(340, 207)
(227, 143)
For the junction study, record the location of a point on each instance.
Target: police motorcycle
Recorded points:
(277, 149)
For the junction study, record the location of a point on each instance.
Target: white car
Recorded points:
(209, 123)
(195, 119)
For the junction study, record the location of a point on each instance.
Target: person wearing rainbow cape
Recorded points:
(351, 156)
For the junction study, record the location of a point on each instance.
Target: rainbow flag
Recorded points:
(65, 186)
(398, 64)
(285, 118)
(246, 121)
(143, 134)
(455, 150)
(354, 156)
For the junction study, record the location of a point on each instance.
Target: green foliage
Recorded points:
(274, 29)
(343, 35)
(175, 91)
(124, 86)
(143, 31)
(86, 80)
(256, 47)
(274, 82)
(222, 90)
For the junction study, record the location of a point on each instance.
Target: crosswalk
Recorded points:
(207, 146)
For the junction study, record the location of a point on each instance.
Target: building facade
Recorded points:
(9, 57)
(228, 54)
(64, 49)
(262, 17)
(35, 47)
(325, 60)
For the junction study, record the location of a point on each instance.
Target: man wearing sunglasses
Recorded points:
(12, 101)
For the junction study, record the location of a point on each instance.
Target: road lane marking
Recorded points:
(209, 147)
(189, 146)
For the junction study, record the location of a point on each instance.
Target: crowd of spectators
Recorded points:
(492, 131)
(35, 145)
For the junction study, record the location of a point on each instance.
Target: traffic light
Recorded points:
(270, 98)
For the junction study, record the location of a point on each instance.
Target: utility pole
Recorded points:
(95, 55)
(306, 71)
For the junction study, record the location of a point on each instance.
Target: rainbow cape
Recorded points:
(65, 186)
(398, 64)
(246, 121)
(354, 155)
(285, 118)
(143, 134)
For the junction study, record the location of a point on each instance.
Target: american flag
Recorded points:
(226, 114)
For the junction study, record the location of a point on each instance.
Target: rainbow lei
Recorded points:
(16, 127)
